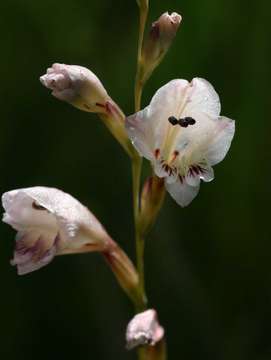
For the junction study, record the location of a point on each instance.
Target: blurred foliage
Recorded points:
(208, 266)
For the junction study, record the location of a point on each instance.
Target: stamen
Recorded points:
(184, 122)
(173, 120)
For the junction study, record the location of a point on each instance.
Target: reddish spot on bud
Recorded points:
(155, 31)
(100, 105)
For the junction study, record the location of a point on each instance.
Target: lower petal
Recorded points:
(207, 173)
(182, 192)
(33, 251)
(162, 170)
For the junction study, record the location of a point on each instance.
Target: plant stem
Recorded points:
(137, 161)
(143, 15)
(136, 168)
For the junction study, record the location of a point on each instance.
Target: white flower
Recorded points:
(144, 329)
(76, 85)
(49, 222)
(183, 135)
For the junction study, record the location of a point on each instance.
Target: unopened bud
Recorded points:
(158, 42)
(152, 197)
(76, 85)
(81, 88)
(144, 329)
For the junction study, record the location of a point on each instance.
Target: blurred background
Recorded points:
(208, 268)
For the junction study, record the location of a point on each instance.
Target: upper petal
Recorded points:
(202, 97)
(148, 128)
(23, 212)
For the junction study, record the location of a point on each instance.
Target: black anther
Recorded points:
(173, 120)
(184, 122)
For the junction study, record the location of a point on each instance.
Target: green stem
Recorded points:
(137, 161)
(144, 353)
(143, 15)
(136, 170)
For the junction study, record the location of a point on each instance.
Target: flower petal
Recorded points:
(138, 130)
(148, 128)
(182, 192)
(33, 251)
(192, 179)
(203, 98)
(207, 173)
(221, 141)
(23, 212)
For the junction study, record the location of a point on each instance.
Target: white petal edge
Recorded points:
(181, 192)
(139, 133)
(202, 97)
(221, 142)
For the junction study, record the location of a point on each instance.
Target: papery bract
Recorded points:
(183, 154)
(50, 222)
(144, 329)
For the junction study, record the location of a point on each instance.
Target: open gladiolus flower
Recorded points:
(183, 135)
(50, 222)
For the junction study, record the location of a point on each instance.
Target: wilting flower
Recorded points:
(144, 329)
(76, 85)
(157, 42)
(183, 135)
(50, 222)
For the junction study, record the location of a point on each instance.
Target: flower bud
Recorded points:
(152, 197)
(158, 42)
(76, 85)
(81, 88)
(144, 329)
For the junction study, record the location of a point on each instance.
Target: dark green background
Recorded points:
(208, 268)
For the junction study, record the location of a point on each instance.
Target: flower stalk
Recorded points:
(114, 120)
(125, 273)
(143, 15)
(137, 160)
